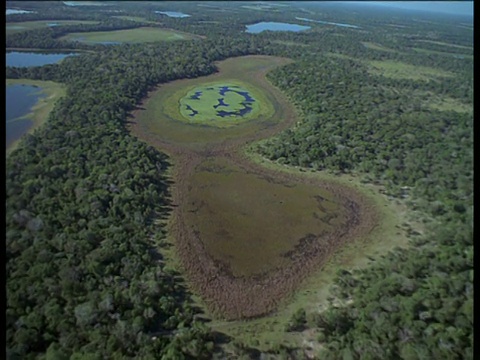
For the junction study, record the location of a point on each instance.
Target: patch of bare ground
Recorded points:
(239, 297)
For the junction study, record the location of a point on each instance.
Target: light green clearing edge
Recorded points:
(41, 110)
(401, 70)
(266, 110)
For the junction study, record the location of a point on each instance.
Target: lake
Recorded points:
(17, 11)
(328, 23)
(84, 3)
(274, 26)
(27, 59)
(19, 101)
(173, 14)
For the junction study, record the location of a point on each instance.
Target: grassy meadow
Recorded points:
(250, 222)
(393, 230)
(399, 70)
(138, 35)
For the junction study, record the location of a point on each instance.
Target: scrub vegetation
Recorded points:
(116, 229)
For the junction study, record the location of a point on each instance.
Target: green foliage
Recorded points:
(297, 321)
(82, 269)
(82, 277)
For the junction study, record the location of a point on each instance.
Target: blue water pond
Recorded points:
(28, 59)
(173, 14)
(274, 26)
(19, 101)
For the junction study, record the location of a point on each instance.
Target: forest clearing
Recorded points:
(273, 229)
(137, 35)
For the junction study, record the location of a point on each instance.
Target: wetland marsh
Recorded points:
(245, 235)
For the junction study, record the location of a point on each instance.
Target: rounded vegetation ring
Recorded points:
(222, 104)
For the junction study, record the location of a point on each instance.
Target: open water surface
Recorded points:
(19, 101)
(17, 11)
(173, 14)
(27, 59)
(274, 26)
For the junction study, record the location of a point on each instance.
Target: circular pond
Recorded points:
(218, 102)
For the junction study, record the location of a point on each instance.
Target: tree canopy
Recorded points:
(84, 278)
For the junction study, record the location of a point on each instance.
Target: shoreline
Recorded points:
(39, 112)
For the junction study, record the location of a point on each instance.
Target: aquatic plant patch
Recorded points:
(218, 102)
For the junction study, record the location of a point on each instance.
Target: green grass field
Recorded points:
(31, 25)
(442, 103)
(399, 70)
(289, 43)
(442, 53)
(373, 46)
(138, 35)
(42, 109)
(447, 44)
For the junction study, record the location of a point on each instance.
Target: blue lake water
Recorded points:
(84, 3)
(19, 100)
(17, 11)
(14, 27)
(274, 26)
(173, 14)
(27, 59)
(328, 23)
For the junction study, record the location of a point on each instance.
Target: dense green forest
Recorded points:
(84, 278)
